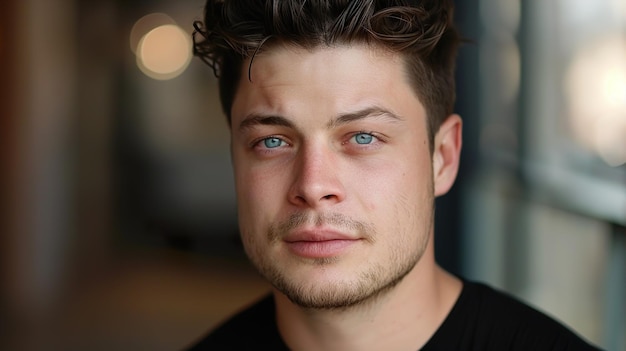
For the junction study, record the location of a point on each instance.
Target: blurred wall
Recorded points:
(42, 109)
(7, 152)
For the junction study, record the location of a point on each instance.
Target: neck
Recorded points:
(402, 318)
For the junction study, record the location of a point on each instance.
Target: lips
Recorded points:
(319, 243)
(317, 235)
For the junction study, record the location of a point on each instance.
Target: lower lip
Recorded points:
(320, 249)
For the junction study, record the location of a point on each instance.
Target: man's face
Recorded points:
(333, 173)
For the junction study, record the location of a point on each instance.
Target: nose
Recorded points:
(316, 179)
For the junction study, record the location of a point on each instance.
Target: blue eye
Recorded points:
(272, 143)
(363, 138)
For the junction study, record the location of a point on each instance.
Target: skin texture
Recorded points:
(336, 186)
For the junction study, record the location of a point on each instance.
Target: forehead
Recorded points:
(326, 78)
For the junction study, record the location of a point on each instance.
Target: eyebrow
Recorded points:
(257, 119)
(369, 112)
(271, 120)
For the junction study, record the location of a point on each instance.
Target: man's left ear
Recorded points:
(447, 153)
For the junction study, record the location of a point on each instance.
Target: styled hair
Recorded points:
(421, 31)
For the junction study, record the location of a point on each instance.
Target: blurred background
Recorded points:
(119, 228)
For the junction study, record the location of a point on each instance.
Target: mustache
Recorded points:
(336, 220)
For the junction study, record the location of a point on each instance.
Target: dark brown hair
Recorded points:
(421, 31)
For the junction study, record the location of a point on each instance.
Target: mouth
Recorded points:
(319, 243)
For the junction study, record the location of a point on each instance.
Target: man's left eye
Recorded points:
(363, 138)
(272, 142)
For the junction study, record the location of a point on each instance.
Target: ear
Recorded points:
(447, 153)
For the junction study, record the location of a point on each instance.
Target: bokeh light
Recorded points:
(144, 25)
(164, 52)
(596, 94)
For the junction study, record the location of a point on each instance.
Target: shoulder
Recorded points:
(487, 319)
(246, 330)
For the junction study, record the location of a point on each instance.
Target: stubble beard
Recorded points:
(370, 283)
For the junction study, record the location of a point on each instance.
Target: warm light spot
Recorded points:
(615, 87)
(596, 94)
(146, 24)
(165, 52)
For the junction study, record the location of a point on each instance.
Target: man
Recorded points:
(342, 135)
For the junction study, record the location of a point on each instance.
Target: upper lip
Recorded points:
(317, 234)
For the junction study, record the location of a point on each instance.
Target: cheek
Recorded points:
(380, 185)
(395, 187)
(259, 192)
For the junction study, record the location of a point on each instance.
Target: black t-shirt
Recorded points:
(481, 319)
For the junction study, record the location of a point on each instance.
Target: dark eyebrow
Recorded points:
(374, 111)
(257, 119)
(271, 120)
